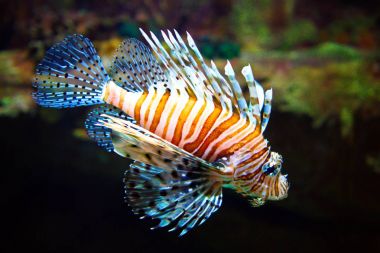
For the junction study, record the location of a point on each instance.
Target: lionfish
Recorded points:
(188, 129)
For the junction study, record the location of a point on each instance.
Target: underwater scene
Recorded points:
(171, 100)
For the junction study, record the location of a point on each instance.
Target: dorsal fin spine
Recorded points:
(242, 103)
(155, 49)
(266, 109)
(178, 46)
(254, 101)
(181, 46)
(177, 54)
(164, 56)
(214, 84)
(225, 86)
(184, 47)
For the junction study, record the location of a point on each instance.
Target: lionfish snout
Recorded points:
(275, 183)
(265, 182)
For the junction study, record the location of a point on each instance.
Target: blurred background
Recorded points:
(61, 193)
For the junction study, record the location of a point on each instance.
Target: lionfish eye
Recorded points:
(269, 170)
(272, 170)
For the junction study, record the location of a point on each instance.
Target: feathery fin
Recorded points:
(101, 134)
(131, 140)
(71, 74)
(207, 82)
(165, 182)
(181, 198)
(135, 68)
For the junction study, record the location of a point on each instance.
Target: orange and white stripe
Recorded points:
(203, 128)
(200, 126)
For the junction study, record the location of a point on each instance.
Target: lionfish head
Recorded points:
(264, 183)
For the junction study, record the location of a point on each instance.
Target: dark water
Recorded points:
(63, 194)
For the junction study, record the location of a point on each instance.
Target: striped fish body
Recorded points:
(201, 127)
(205, 129)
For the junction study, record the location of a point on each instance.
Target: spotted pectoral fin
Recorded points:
(165, 182)
(101, 134)
(180, 198)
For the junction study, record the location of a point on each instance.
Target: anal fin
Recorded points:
(101, 134)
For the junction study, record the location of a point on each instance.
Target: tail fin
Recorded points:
(71, 74)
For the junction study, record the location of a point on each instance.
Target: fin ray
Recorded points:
(204, 81)
(100, 134)
(135, 68)
(266, 109)
(71, 74)
(175, 202)
(165, 182)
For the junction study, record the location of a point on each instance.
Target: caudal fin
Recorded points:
(71, 74)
